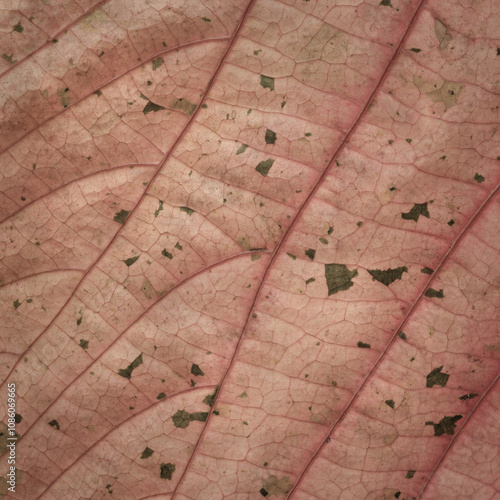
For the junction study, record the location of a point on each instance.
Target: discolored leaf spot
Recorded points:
(127, 372)
(446, 425)
(264, 166)
(402, 335)
(479, 178)
(267, 82)
(166, 470)
(434, 293)
(131, 260)
(166, 254)
(330, 230)
(339, 277)
(209, 400)
(17, 418)
(270, 137)
(242, 149)
(419, 209)
(389, 402)
(29, 301)
(197, 371)
(161, 396)
(389, 275)
(206, 19)
(182, 418)
(121, 216)
(178, 246)
(263, 492)
(363, 345)
(8, 58)
(18, 27)
(436, 377)
(16, 304)
(84, 344)
(55, 423)
(159, 209)
(471, 395)
(277, 487)
(397, 494)
(79, 321)
(146, 453)
(410, 474)
(156, 63)
(386, 3)
(200, 416)
(183, 105)
(188, 210)
(310, 253)
(451, 222)
(310, 280)
(293, 257)
(109, 488)
(98, 93)
(323, 240)
(426, 270)
(152, 107)
(416, 50)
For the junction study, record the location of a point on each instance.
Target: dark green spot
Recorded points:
(310, 280)
(283, 102)
(178, 246)
(121, 216)
(209, 400)
(446, 425)
(478, 178)
(242, 149)
(9, 58)
(162, 395)
(29, 301)
(435, 377)
(131, 260)
(18, 27)
(264, 166)
(323, 240)
(182, 418)
(339, 277)
(55, 40)
(363, 345)
(23, 198)
(157, 63)
(416, 50)
(471, 395)
(419, 209)
(310, 253)
(408, 141)
(389, 275)
(109, 488)
(451, 222)
(79, 321)
(152, 107)
(390, 141)
(443, 158)
(197, 371)
(263, 492)
(330, 230)
(389, 402)
(206, 19)
(359, 223)
(402, 335)
(16, 304)
(159, 209)
(291, 256)
(127, 372)
(166, 254)
(84, 344)
(397, 494)
(410, 474)
(434, 293)
(146, 453)
(426, 270)
(166, 471)
(188, 210)
(386, 3)
(267, 82)
(270, 137)
(55, 423)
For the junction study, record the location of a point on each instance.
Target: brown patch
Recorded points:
(183, 105)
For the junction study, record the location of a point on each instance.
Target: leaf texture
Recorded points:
(250, 249)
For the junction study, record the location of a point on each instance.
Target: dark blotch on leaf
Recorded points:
(270, 137)
(397, 494)
(446, 425)
(152, 107)
(471, 395)
(188, 210)
(436, 377)
(79, 321)
(416, 50)
(178, 246)
(166, 471)
(121, 216)
(451, 222)
(402, 335)
(209, 400)
(98, 93)
(419, 209)
(182, 418)
(264, 166)
(55, 423)
(147, 453)
(435, 293)
(196, 370)
(84, 344)
(17, 418)
(242, 149)
(410, 474)
(293, 257)
(157, 63)
(162, 395)
(323, 240)
(16, 304)
(159, 209)
(166, 254)
(207, 20)
(267, 82)
(18, 27)
(9, 58)
(130, 261)
(310, 280)
(386, 3)
(263, 492)
(339, 277)
(363, 345)
(389, 275)
(310, 253)
(389, 402)
(127, 372)
(478, 178)
(426, 270)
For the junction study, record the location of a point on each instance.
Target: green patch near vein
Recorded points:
(127, 372)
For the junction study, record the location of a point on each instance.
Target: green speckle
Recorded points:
(188, 210)
(363, 345)
(242, 149)
(33, 166)
(419, 209)
(84, 344)
(293, 257)
(121, 216)
(330, 230)
(55, 40)
(130, 261)
(339, 277)
(389, 275)
(166, 254)
(152, 107)
(443, 158)
(264, 166)
(178, 246)
(408, 141)
(267, 82)
(207, 20)
(157, 63)
(478, 178)
(9, 58)
(55, 423)
(471, 395)
(389, 402)
(270, 137)
(127, 372)
(436, 377)
(196, 370)
(416, 50)
(434, 293)
(17, 418)
(182, 418)
(146, 453)
(109, 488)
(18, 27)
(390, 141)
(410, 474)
(308, 134)
(256, 52)
(79, 321)
(160, 396)
(166, 470)
(451, 222)
(209, 400)
(310, 280)
(16, 304)
(249, 111)
(159, 209)
(426, 270)
(402, 335)
(323, 240)
(283, 102)
(446, 425)
(29, 301)
(386, 3)
(310, 253)
(255, 256)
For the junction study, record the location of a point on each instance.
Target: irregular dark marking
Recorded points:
(166, 470)
(410, 474)
(426, 270)
(55, 423)
(207, 20)
(451, 222)
(479, 178)
(310, 280)
(419, 209)
(270, 137)
(160, 396)
(389, 402)
(17, 418)
(131, 260)
(267, 82)
(386, 3)
(55, 40)
(188, 210)
(434, 293)
(127, 372)
(152, 107)
(310, 253)
(390, 141)
(98, 93)
(339, 277)
(293, 257)
(182, 418)
(308, 134)
(330, 230)
(498, 52)
(16, 304)
(209, 400)
(408, 141)
(79, 321)
(446, 425)
(264, 166)
(436, 377)
(389, 275)
(178, 246)
(183, 105)
(197, 371)
(109, 488)
(263, 492)
(18, 27)
(9, 58)
(471, 395)
(323, 240)
(84, 344)
(363, 345)
(283, 102)
(242, 149)
(159, 209)
(443, 157)
(147, 453)
(121, 216)
(402, 335)
(156, 63)
(416, 50)
(29, 301)
(166, 254)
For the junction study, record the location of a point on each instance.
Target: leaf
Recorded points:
(316, 321)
